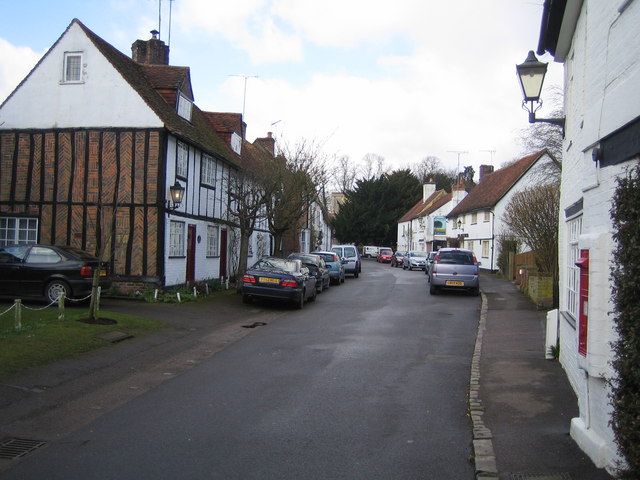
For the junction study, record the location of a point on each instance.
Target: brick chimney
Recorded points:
(484, 171)
(150, 52)
(267, 142)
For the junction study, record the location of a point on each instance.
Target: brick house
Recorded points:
(598, 44)
(90, 142)
(477, 219)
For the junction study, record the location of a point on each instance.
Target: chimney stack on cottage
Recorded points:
(484, 171)
(268, 142)
(150, 52)
(428, 189)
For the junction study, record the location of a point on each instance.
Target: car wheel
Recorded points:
(312, 298)
(404, 267)
(433, 290)
(342, 279)
(328, 285)
(246, 299)
(355, 275)
(55, 288)
(300, 301)
(475, 291)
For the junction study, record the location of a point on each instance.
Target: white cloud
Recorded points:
(246, 25)
(16, 63)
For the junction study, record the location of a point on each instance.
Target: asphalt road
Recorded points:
(369, 382)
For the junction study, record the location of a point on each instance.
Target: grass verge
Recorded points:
(43, 338)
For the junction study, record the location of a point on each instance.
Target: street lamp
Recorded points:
(531, 74)
(176, 191)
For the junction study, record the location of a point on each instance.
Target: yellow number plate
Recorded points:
(268, 280)
(454, 284)
(103, 273)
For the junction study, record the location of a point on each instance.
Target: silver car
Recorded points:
(455, 268)
(414, 259)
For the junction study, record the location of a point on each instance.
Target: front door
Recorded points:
(191, 254)
(223, 253)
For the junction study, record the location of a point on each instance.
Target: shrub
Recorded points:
(625, 275)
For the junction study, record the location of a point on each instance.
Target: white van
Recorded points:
(350, 258)
(370, 252)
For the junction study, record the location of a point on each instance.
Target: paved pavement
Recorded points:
(521, 404)
(527, 401)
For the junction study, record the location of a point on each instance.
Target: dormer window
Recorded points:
(184, 107)
(236, 143)
(72, 68)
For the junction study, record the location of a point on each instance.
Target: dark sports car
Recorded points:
(48, 271)
(279, 278)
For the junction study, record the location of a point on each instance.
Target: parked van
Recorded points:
(350, 258)
(370, 252)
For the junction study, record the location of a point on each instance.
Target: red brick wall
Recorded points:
(90, 189)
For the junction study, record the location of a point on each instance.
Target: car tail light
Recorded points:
(248, 279)
(86, 271)
(289, 283)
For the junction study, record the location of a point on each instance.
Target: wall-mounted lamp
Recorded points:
(176, 191)
(531, 75)
(460, 225)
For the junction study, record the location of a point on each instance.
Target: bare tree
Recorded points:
(295, 178)
(426, 167)
(345, 174)
(373, 166)
(248, 194)
(532, 215)
(540, 136)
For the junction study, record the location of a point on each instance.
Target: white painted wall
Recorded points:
(103, 99)
(602, 80)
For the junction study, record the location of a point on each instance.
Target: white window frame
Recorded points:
(74, 76)
(213, 240)
(486, 248)
(487, 216)
(184, 107)
(182, 159)
(574, 229)
(18, 230)
(208, 173)
(176, 239)
(474, 218)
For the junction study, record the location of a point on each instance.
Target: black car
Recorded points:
(317, 267)
(48, 271)
(279, 278)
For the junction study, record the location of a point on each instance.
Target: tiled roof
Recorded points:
(496, 185)
(225, 122)
(145, 80)
(424, 208)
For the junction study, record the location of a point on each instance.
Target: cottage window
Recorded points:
(208, 171)
(72, 68)
(487, 216)
(474, 218)
(213, 234)
(182, 160)
(485, 248)
(184, 107)
(16, 230)
(574, 229)
(176, 239)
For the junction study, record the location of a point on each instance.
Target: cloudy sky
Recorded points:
(403, 80)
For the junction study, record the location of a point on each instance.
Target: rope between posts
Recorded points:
(33, 309)
(8, 309)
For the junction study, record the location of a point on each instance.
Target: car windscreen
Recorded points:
(272, 263)
(350, 252)
(327, 257)
(386, 251)
(456, 258)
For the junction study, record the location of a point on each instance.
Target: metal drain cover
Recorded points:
(541, 476)
(18, 447)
